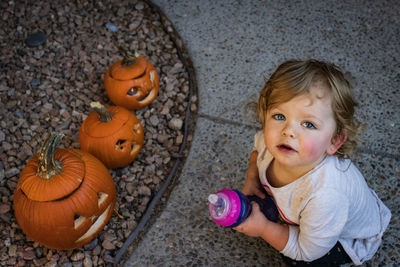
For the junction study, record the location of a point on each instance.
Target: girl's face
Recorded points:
(300, 132)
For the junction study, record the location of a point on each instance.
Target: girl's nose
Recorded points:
(288, 131)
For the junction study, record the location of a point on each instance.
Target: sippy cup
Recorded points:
(230, 208)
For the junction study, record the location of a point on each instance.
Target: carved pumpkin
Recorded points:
(64, 197)
(132, 83)
(113, 134)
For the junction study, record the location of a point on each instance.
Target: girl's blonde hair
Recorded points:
(294, 77)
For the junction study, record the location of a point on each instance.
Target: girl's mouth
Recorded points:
(285, 148)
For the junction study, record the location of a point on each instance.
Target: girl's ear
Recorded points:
(337, 142)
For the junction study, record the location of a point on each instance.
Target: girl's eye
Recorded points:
(309, 125)
(279, 117)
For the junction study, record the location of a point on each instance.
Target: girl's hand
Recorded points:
(253, 187)
(255, 225)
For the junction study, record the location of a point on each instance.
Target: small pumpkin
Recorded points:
(64, 197)
(132, 82)
(113, 134)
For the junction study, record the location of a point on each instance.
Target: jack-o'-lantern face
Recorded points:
(68, 209)
(115, 142)
(132, 83)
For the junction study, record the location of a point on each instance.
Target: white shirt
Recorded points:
(330, 203)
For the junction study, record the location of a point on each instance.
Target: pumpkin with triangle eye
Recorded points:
(64, 197)
(132, 82)
(113, 134)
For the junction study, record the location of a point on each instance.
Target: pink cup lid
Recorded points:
(232, 209)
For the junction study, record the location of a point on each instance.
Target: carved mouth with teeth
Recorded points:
(133, 145)
(141, 94)
(96, 222)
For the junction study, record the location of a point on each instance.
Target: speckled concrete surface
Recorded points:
(234, 46)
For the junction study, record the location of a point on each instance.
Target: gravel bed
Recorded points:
(47, 82)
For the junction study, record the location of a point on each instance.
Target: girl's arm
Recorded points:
(252, 185)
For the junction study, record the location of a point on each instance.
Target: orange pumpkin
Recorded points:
(64, 197)
(113, 134)
(132, 83)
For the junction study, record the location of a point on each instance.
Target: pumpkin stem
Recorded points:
(47, 165)
(128, 61)
(104, 114)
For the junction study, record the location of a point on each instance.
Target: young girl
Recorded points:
(300, 158)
